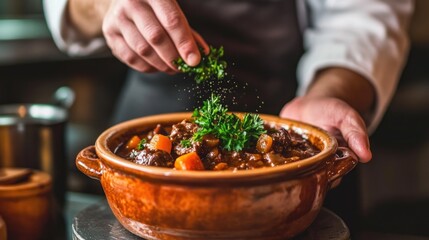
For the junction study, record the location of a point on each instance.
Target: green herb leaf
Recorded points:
(141, 144)
(186, 143)
(234, 133)
(210, 66)
(253, 125)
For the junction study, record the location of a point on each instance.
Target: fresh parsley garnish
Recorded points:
(253, 125)
(234, 133)
(186, 143)
(141, 144)
(210, 66)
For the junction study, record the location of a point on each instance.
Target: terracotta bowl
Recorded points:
(26, 205)
(268, 203)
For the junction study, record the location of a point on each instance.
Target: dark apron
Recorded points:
(262, 43)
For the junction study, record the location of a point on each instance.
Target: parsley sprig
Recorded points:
(186, 143)
(210, 66)
(234, 133)
(141, 144)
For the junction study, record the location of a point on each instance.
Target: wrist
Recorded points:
(86, 16)
(346, 85)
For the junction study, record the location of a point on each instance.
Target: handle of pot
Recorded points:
(89, 163)
(345, 160)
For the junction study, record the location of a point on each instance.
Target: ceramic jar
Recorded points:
(26, 206)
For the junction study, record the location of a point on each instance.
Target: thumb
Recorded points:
(354, 132)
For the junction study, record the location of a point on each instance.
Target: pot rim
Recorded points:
(291, 169)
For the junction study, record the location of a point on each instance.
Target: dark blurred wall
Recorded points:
(34, 79)
(32, 68)
(20, 8)
(395, 185)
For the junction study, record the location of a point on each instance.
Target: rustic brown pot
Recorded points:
(268, 203)
(26, 206)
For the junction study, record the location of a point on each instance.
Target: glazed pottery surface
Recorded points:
(26, 205)
(267, 203)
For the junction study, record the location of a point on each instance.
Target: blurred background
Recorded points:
(393, 189)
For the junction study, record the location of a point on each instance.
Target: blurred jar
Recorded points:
(33, 136)
(26, 205)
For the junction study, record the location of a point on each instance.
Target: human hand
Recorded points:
(148, 35)
(336, 117)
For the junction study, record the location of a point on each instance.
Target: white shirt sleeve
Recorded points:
(66, 38)
(366, 36)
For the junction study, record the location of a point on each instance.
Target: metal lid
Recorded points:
(31, 114)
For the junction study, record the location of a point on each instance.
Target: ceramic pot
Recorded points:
(267, 203)
(26, 206)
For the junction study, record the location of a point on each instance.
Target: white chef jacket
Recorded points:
(366, 36)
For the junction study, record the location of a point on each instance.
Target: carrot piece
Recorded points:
(189, 161)
(160, 142)
(133, 142)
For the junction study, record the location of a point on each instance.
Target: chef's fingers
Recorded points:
(335, 132)
(142, 48)
(154, 33)
(177, 27)
(354, 132)
(332, 114)
(201, 42)
(125, 54)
